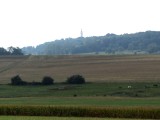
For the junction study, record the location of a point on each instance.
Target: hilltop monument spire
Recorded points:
(81, 33)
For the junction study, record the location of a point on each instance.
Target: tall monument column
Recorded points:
(81, 33)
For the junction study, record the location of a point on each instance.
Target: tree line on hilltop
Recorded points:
(147, 42)
(11, 51)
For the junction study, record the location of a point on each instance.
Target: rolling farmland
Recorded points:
(108, 79)
(138, 68)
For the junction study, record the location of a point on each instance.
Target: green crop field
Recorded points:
(85, 90)
(81, 101)
(91, 94)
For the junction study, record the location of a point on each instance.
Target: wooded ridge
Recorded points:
(142, 42)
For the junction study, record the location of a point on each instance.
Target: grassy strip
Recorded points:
(110, 112)
(137, 90)
(81, 101)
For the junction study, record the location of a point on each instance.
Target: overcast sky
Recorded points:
(32, 22)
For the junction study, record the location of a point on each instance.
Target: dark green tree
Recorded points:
(3, 51)
(16, 80)
(47, 80)
(76, 79)
(15, 51)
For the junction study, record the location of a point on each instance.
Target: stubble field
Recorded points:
(138, 68)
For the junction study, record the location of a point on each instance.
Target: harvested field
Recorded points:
(136, 68)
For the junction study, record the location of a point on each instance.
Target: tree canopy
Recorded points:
(148, 42)
(11, 51)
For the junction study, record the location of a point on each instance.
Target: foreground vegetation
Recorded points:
(110, 112)
(85, 100)
(58, 118)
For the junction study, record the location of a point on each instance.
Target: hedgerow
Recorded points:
(112, 112)
(16, 80)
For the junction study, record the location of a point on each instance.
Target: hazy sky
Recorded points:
(31, 22)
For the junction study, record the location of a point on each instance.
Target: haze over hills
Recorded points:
(141, 42)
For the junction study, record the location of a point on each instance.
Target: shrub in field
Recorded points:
(16, 80)
(75, 95)
(76, 79)
(155, 85)
(47, 80)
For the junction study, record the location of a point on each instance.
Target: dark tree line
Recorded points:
(74, 79)
(148, 42)
(16, 80)
(11, 51)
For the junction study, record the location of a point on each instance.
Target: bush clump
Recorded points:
(76, 79)
(47, 80)
(16, 80)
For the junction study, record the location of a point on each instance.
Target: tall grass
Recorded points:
(58, 118)
(110, 112)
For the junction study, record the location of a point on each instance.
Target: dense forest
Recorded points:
(11, 51)
(141, 42)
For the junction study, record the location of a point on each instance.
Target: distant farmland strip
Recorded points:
(94, 68)
(8, 67)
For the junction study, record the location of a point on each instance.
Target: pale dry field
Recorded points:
(137, 68)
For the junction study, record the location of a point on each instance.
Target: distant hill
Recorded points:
(142, 42)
